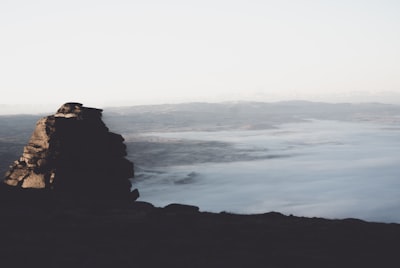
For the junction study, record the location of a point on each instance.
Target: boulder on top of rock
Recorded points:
(73, 153)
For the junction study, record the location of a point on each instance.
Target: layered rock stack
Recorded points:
(73, 153)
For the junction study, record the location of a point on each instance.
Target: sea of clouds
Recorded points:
(318, 168)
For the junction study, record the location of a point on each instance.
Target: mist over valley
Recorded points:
(301, 158)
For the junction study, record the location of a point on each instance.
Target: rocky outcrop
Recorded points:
(72, 152)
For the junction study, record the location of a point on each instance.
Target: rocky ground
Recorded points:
(39, 233)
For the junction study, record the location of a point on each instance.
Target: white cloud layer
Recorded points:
(335, 170)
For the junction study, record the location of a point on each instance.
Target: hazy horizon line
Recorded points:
(37, 109)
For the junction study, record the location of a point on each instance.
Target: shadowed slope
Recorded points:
(181, 236)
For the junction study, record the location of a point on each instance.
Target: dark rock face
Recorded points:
(72, 152)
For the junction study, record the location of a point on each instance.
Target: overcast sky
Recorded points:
(112, 52)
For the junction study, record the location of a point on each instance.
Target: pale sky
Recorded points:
(127, 52)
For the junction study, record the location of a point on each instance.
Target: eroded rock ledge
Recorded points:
(73, 152)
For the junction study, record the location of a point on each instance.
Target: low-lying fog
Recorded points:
(320, 168)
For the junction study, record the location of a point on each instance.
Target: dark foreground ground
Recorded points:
(35, 234)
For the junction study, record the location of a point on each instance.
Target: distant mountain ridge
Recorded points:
(244, 115)
(205, 106)
(38, 109)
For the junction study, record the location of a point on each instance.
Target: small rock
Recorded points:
(181, 208)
